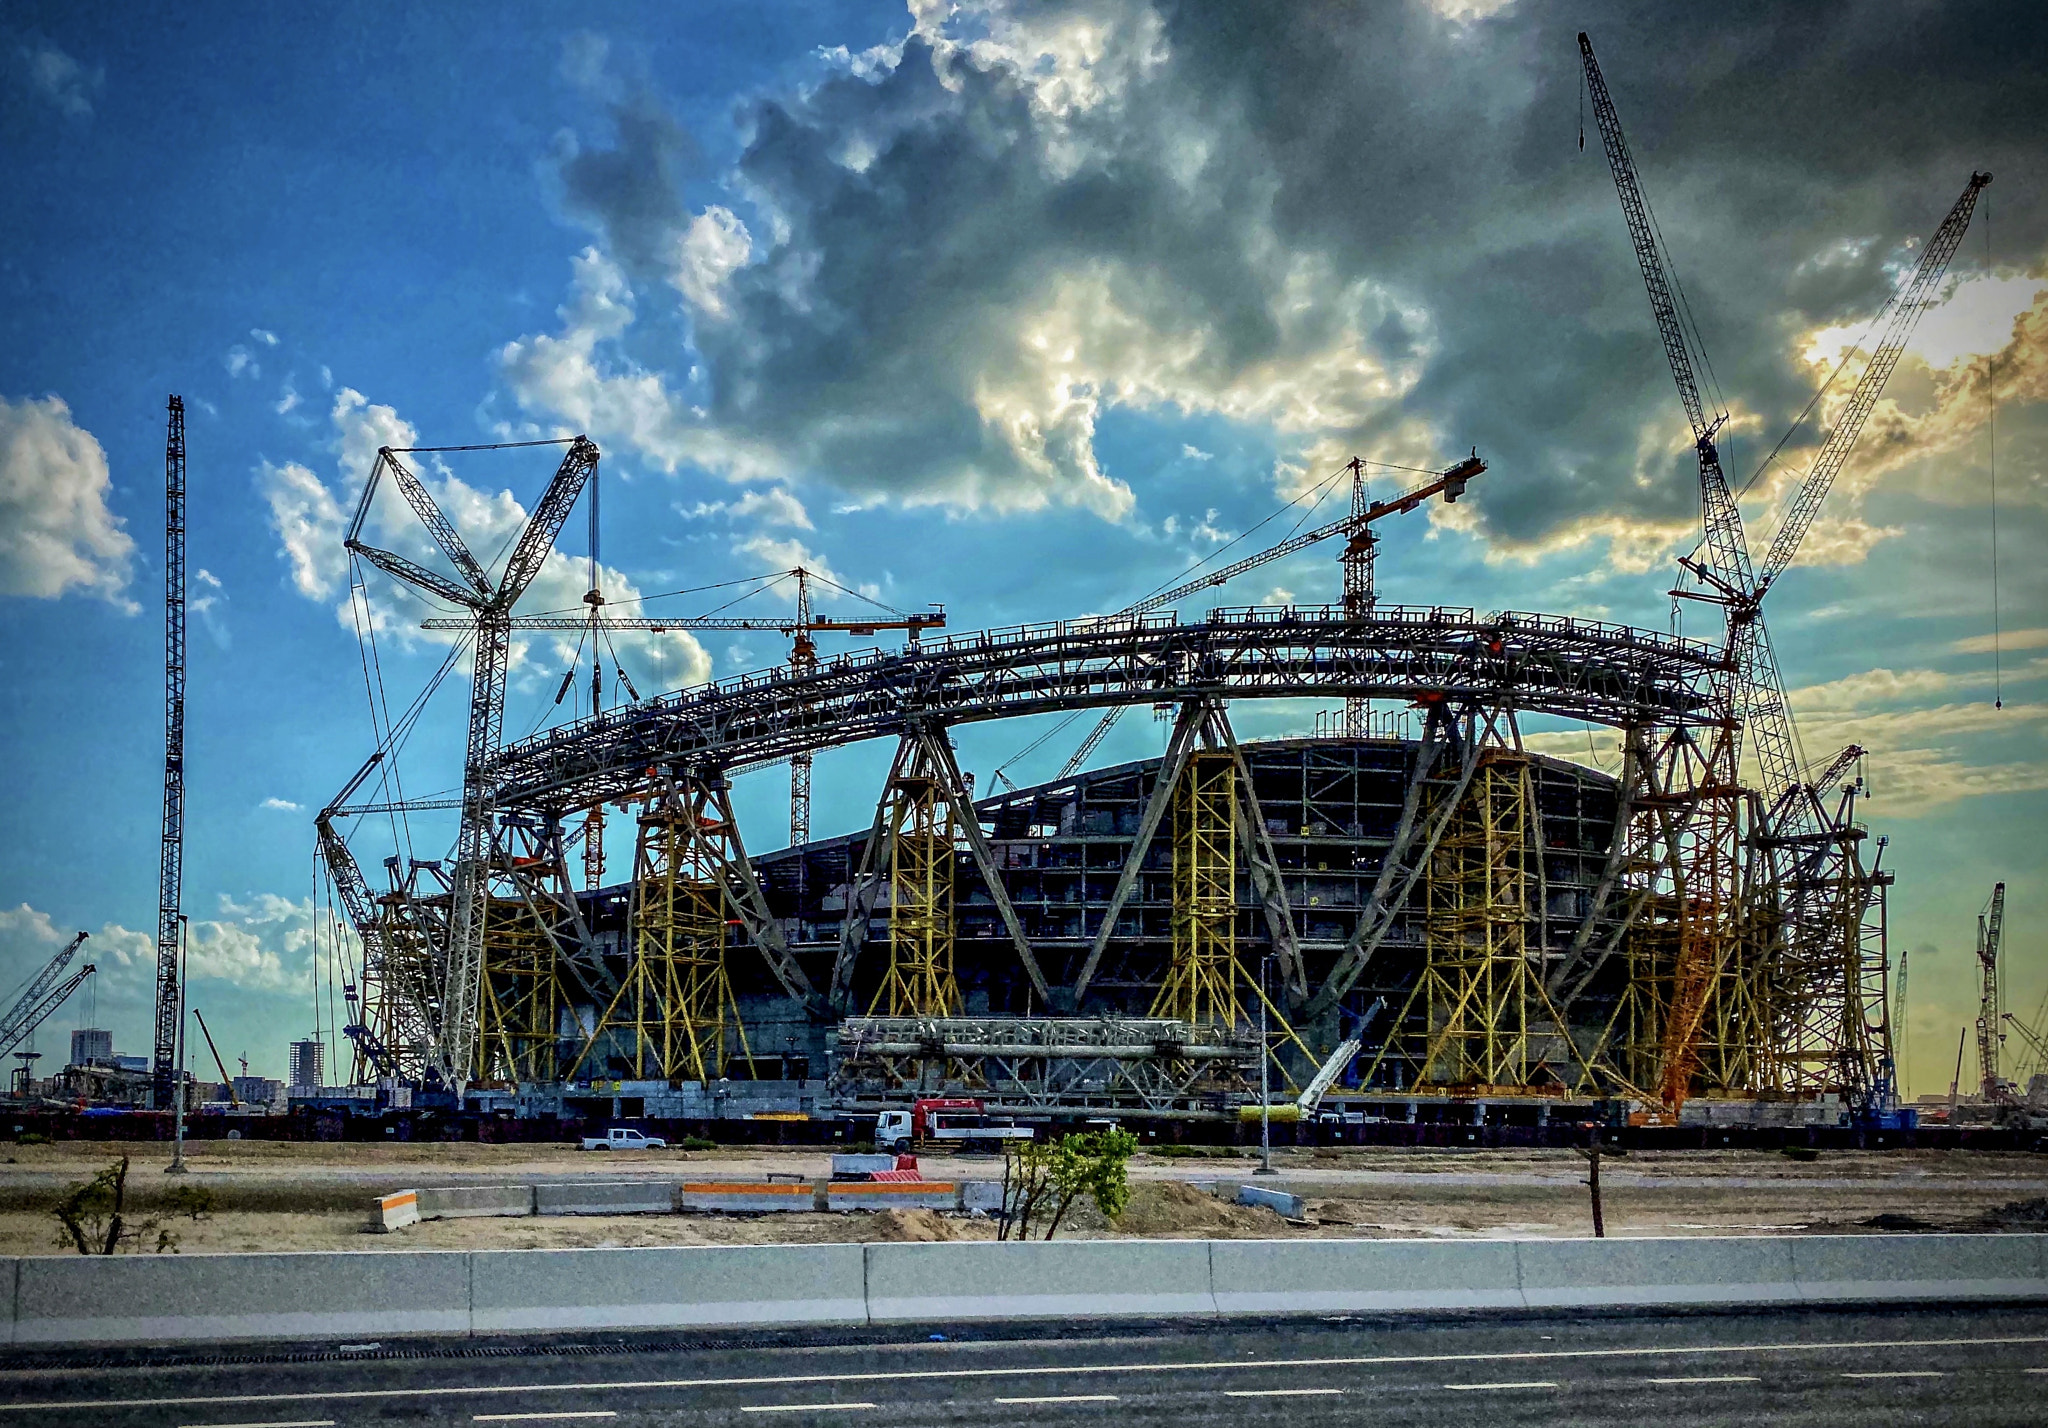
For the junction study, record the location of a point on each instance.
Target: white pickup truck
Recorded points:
(624, 1140)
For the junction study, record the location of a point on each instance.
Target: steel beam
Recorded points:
(940, 750)
(1187, 727)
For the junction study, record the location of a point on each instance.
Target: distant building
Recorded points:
(258, 1090)
(132, 1063)
(92, 1046)
(308, 1064)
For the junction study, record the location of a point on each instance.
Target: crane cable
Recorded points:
(1991, 435)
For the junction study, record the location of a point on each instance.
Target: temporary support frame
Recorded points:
(1200, 986)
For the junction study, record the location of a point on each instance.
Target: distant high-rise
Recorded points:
(90, 1045)
(308, 1064)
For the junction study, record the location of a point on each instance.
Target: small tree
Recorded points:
(1042, 1179)
(90, 1217)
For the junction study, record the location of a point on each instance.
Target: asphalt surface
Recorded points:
(1983, 1365)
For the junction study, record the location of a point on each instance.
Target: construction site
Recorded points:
(1405, 924)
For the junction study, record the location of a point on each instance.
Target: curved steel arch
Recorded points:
(1578, 669)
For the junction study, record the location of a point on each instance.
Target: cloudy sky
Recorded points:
(1018, 308)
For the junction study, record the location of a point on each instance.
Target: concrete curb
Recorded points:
(211, 1298)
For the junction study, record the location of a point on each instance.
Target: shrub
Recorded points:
(698, 1142)
(90, 1221)
(1041, 1179)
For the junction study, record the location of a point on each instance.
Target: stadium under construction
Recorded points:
(1355, 924)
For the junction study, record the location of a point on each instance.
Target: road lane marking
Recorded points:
(797, 1407)
(1722, 1378)
(1899, 1373)
(350, 1395)
(540, 1417)
(1475, 1387)
(1065, 1398)
(295, 1423)
(1281, 1392)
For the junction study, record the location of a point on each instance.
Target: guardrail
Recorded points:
(209, 1298)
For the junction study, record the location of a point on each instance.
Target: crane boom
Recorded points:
(1990, 1017)
(1450, 483)
(1906, 310)
(37, 999)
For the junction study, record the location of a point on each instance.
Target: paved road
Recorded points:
(1986, 1367)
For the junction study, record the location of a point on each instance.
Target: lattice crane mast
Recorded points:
(799, 627)
(1355, 526)
(163, 1065)
(1990, 1014)
(46, 991)
(490, 605)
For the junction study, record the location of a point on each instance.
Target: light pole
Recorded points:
(177, 1165)
(1265, 1098)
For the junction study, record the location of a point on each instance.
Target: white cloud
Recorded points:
(1195, 453)
(280, 805)
(240, 361)
(710, 250)
(60, 80)
(774, 505)
(309, 522)
(787, 553)
(207, 604)
(289, 399)
(2030, 639)
(610, 397)
(264, 336)
(56, 533)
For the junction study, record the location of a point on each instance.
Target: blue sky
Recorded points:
(1012, 308)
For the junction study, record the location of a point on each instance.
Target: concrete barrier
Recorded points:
(983, 1195)
(1564, 1273)
(395, 1211)
(658, 1288)
(861, 1164)
(605, 1197)
(740, 1195)
(1062, 1279)
(1323, 1276)
(214, 1298)
(892, 1195)
(1279, 1201)
(1862, 1268)
(87, 1299)
(461, 1202)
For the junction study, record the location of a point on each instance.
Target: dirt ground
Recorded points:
(293, 1196)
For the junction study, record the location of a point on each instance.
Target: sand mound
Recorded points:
(1173, 1207)
(913, 1227)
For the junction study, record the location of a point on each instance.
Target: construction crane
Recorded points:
(1990, 1014)
(46, 991)
(489, 604)
(799, 627)
(1355, 526)
(163, 1066)
(1750, 692)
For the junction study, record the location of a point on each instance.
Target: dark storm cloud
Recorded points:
(1369, 227)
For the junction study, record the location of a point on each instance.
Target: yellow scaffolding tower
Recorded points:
(1488, 1022)
(671, 1014)
(1200, 987)
(922, 837)
(518, 1014)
